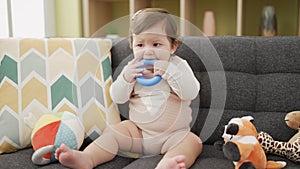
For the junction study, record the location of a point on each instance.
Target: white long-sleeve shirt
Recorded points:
(164, 106)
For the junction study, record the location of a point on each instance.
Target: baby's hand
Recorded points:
(132, 70)
(160, 67)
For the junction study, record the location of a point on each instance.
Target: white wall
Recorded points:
(3, 19)
(29, 18)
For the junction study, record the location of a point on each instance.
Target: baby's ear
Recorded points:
(174, 48)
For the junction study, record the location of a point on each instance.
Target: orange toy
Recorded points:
(242, 147)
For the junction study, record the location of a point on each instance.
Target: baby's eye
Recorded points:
(156, 44)
(139, 45)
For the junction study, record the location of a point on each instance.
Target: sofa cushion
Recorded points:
(41, 76)
(22, 159)
(208, 159)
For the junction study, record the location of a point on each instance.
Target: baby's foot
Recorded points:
(177, 162)
(72, 158)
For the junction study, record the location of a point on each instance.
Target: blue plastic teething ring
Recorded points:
(148, 81)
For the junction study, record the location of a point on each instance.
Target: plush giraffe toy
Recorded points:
(290, 149)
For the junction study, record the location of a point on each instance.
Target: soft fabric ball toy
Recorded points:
(50, 131)
(290, 149)
(242, 147)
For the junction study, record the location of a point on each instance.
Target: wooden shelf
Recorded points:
(233, 17)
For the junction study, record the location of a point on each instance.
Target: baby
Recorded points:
(159, 115)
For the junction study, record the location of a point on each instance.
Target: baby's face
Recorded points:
(153, 43)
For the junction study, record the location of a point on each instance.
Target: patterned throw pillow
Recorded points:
(39, 76)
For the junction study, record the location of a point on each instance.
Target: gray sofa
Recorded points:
(257, 76)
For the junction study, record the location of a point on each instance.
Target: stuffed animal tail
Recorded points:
(275, 164)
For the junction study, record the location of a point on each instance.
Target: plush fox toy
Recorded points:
(242, 147)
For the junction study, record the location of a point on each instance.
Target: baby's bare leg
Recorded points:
(183, 155)
(125, 136)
